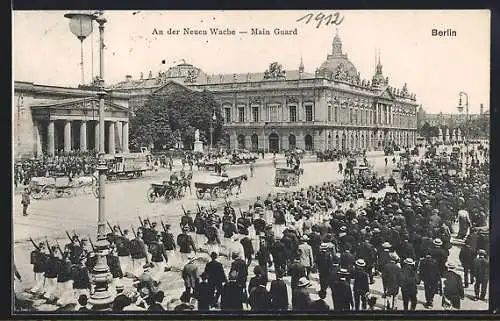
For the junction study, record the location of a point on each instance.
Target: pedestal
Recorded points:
(198, 147)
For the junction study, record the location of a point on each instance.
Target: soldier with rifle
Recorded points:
(51, 271)
(64, 279)
(229, 229)
(39, 259)
(138, 252)
(213, 241)
(243, 223)
(159, 257)
(74, 248)
(81, 279)
(228, 209)
(200, 223)
(167, 238)
(122, 244)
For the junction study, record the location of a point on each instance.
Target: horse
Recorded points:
(186, 182)
(85, 182)
(236, 182)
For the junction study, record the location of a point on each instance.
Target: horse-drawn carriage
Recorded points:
(165, 190)
(60, 185)
(209, 165)
(218, 186)
(243, 157)
(287, 177)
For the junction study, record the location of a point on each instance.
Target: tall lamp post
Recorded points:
(460, 110)
(101, 298)
(212, 122)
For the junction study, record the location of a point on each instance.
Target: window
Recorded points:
(241, 114)
(351, 118)
(292, 113)
(329, 113)
(273, 113)
(309, 113)
(335, 114)
(255, 114)
(227, 114)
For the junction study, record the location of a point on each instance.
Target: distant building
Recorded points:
(448, 120)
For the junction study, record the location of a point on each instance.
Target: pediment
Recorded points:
(83, 104)
(171, 87)
(386, 94)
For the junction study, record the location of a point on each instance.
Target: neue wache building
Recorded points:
(282, 109)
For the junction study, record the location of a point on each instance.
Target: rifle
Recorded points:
(140, 220)
(34, 244)
(225, 201)
(69, 237)
(163, 225)
(120, 229)
(48, 245)
(199, 208)
(110, 227)
(133, 231)
(60, 250)
(183, 209)
(91, 244)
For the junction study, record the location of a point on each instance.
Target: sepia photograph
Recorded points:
(264, 161)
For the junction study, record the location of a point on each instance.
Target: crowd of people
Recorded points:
(70, 164)
(341, 234)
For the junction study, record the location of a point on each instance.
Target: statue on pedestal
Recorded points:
(198, 145)
(440, 134)
(197, 135)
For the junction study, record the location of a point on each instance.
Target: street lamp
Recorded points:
(214, 118)
(101, 298)
(80, 25)
(460, 110)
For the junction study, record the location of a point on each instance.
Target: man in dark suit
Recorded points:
(391, 279)
(453, 289)
(481, 274)
(301, 299)
(279, 293)
(296, 271)
(260, 299)
(204, 293)
(342, 293)
(233, 294)
(466, 258)
(409, 284)
(429, 274)
(216, 276)
(241, 268)
(361, 285)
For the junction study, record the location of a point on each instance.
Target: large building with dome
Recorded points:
(274, 110)
(282, 109)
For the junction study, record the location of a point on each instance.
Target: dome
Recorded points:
(334, 64)
(181, 71)
(337, 65)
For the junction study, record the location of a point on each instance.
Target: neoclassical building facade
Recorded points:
(50, 119)
(282, 109)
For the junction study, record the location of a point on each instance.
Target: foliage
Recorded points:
(167, 119)
(427, 131)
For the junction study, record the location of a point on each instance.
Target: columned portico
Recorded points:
(83, 135)
(67, 136)
(125, 136)
(68, 126)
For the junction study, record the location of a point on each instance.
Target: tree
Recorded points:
(166, 117)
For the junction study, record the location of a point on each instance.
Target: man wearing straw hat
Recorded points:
(391, 279)
(409, 284)
(342, 293)
(361, 285)
(453, 290)
(301, 299)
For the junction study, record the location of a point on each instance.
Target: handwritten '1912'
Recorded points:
(328, 19)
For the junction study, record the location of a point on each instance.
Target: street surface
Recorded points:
(126, 200)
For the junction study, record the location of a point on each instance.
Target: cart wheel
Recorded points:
(200, 193)
(36, 196)
(151, 195)
(215, 193)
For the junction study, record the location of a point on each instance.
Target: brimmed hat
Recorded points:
(360, 262)
(343, 272)
(342, 234)
(343, 228)
(409, 261)
(394, 256)
(481, 252)
(437, 242)
(450, 265)
(354, 221)
(303, 282)
(386, 244)
(323, 246)
(305, 237)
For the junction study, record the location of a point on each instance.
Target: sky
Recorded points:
(435, 68)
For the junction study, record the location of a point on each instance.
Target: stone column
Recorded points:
(67, 136)
(125, 137)
(111, 137)
(50, 138)
(83, 136)
(118, 128)
(96, 136)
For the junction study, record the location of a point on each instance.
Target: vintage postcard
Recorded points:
(263, 161)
